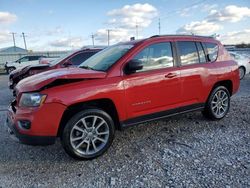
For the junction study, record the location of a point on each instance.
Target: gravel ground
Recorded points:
(182, 151)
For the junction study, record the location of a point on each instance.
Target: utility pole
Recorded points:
(136, 28)
(14, 41)
(159, 26)
(93, 40)
(23, 35)
(108, 30)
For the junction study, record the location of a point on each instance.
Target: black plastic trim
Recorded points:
(162, 115)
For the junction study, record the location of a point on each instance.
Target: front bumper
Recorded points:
(27, 139)
(10, 84)
(44, 120)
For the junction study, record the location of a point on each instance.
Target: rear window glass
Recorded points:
(212, 50)
(79, 58)
(201, 53)
(188, 52)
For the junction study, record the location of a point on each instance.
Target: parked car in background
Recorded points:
(47, 60)
(69, 59)
(243, 62)
(22, 62)
(124, 84)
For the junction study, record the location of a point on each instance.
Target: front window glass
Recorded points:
(156, 56)
(24, 59)
(79, 58)
(104, 59)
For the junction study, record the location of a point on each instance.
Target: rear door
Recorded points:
(193, 71)
(157, 86)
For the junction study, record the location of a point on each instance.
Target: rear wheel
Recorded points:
(242, 72)
(88, 134)
(218, 104)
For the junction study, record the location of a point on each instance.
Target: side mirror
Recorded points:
(133, 65)
(67, 63)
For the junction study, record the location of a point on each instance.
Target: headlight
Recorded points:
(32, 99)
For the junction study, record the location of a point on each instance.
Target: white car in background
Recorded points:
(243, 62)
(23, 62)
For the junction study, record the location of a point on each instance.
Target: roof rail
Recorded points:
(92, 47)
(181, 35)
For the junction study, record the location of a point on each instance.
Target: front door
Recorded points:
(157, 86)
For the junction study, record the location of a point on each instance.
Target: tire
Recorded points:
(218, 104)
(9, 70)
(81, 140)
(242, 72)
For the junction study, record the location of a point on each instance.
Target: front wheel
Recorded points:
(9, 70)
(218, 103)
(88, 134)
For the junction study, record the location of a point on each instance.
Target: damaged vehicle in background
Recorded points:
(72, 59)
(23, 62)
(125, 84)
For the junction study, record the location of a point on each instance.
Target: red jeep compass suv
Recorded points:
(124, 84)
(72, 59)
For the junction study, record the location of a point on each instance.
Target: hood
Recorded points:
(38, 81)
(20, 72)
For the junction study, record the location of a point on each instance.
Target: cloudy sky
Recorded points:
(67, 24)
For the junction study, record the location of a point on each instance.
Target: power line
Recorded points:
(179, 9)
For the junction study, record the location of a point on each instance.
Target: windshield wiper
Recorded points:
(87, 67)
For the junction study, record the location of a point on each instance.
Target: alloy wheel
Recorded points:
(220, 103)
(89, 135)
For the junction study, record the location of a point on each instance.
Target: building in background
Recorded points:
(13, 49)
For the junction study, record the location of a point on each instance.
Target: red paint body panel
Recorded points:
(133, 95)
(38, 81)
(44, 120)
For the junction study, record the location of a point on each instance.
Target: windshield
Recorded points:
(104, 59)
(56, 61)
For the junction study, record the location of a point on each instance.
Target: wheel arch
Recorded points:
(226, 83)
(8, 68)
(104, 104)
(242, 66)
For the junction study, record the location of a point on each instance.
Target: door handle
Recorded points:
(170, 75)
